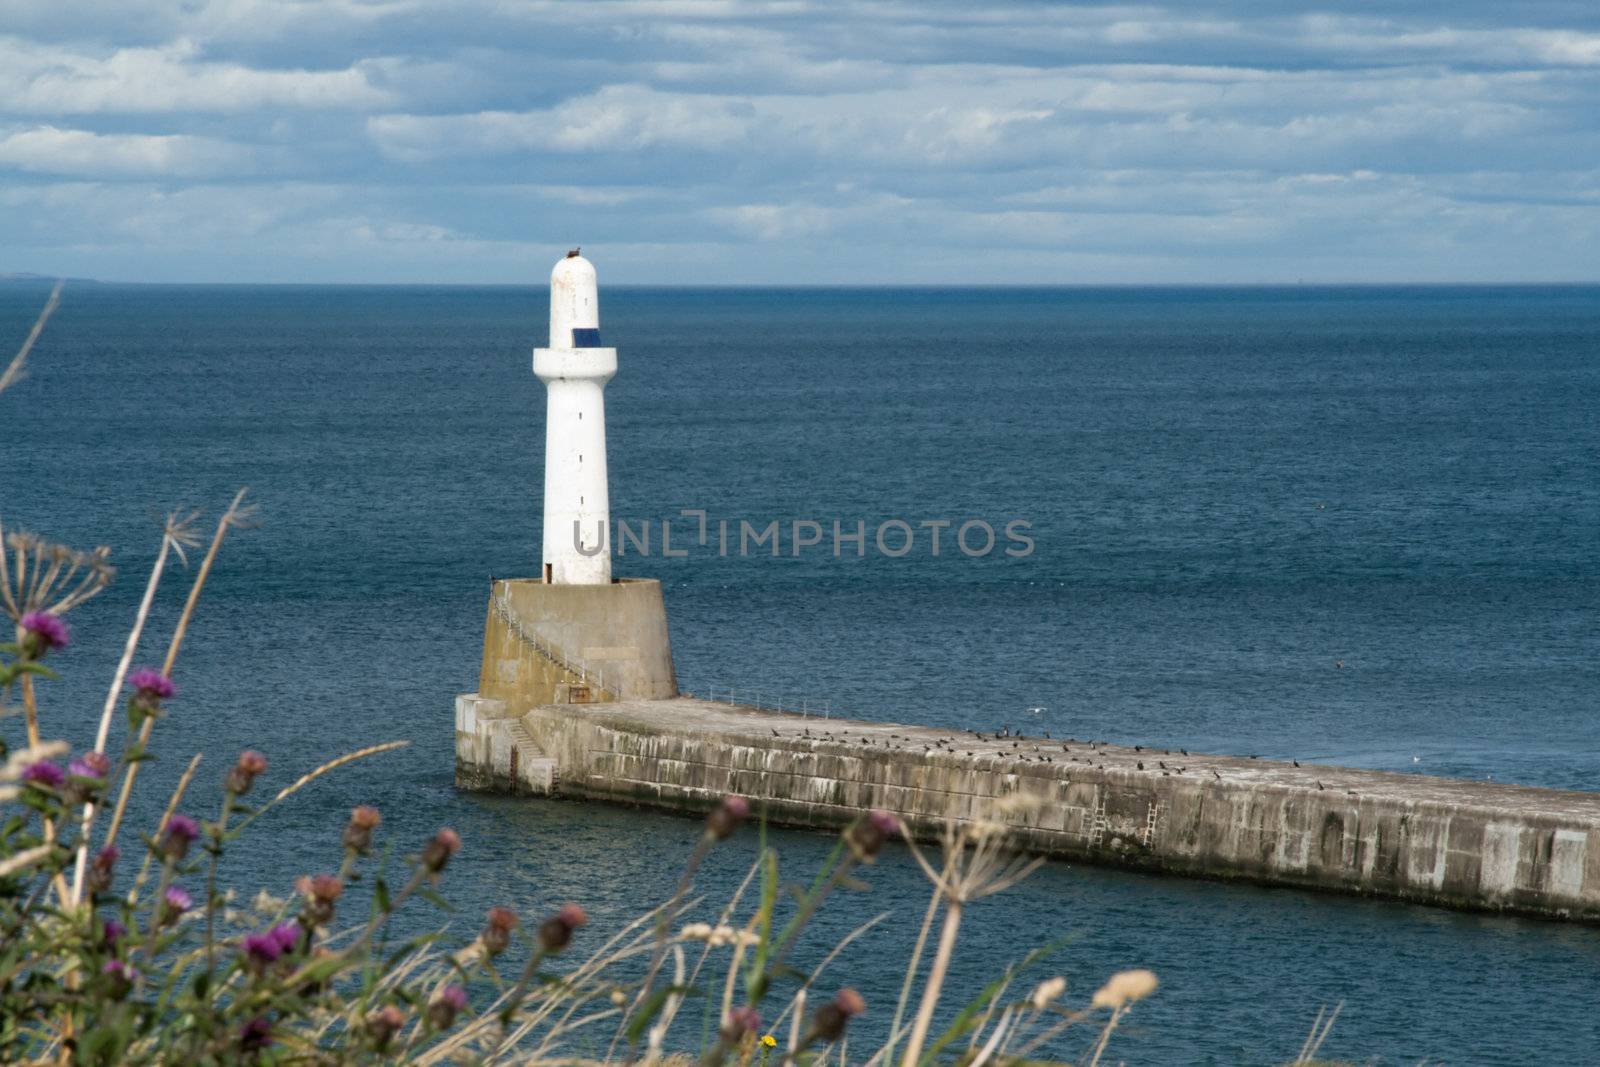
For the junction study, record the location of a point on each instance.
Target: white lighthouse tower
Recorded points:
(575, 369)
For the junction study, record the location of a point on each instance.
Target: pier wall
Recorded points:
(1406, 837)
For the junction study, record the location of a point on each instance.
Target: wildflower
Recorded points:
(255, 1035)
(90, 765)
(866, 836)
(726, 817)
(445, 1006)
(321, 893)
(829, 1021)
(174, 903)
(151, 683)
(740, 1021)
(286, 935)
(44, 774)
(179, 834)
(120, 978)
(43, 631)
(440, 847)
(243, 774)
(261, 949)
(768, 1041)
(111, 933)
(150, 688)
(497, 934)
(384, 1023)
(1047, 992)
(1124, 987)
(556, 931)
(358, 831)
(100, 869)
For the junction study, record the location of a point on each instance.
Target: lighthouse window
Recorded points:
(585, 337)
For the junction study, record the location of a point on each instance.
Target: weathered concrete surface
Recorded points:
(1408, 837)
(546, 644)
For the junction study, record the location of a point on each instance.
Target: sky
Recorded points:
(799, 142)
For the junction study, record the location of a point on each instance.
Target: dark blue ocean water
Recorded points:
(1231, 491)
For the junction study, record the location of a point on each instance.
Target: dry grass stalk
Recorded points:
(236, 515)
(14, 371)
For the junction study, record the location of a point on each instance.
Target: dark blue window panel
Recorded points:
(585, 337)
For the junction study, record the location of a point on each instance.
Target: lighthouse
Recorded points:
(575, 369)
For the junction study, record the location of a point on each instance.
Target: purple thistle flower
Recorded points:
(90, 765)
(184, 827)
(121, 977)
(450, 1002)
(255, 1036)
(113, 932)
(45, 631)
(285, 935)
(152, 684)
(180, 832)
(262, 949)
(178, 900)
(44, 774)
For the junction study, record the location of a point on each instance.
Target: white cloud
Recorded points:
(42, 80)
(49, 150)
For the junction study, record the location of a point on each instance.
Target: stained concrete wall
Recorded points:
(547, 644)
(1408, 837)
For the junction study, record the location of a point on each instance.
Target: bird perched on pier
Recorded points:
(1162, 764)
(1217, 776)
(1138, 748)
(1141, 765)
(1319, 786)
(1184, 751)
(1295, 762)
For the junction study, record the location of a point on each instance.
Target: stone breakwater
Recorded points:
(1405, 837)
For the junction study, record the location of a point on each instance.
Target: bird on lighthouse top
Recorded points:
(574, 303)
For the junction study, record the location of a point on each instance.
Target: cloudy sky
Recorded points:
(800, 141)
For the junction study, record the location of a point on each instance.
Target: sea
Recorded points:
(1353, 525)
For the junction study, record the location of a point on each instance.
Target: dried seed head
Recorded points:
(1125, 987)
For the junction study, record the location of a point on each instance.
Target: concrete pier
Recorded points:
(1405, 837)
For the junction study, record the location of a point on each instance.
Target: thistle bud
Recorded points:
(358, 831)
(243, 774)
(497, 932)
(442, 1012)
(740, 1021)
(383, 1024)
(179, 834)
(829, 1022)
(725, 818)
(101, 869)
(867, 836)
(556, 931)
(322, 893)
(440, 847)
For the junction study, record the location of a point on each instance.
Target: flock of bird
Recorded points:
(1022, 748)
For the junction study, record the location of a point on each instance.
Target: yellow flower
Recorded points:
(769, 1041)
